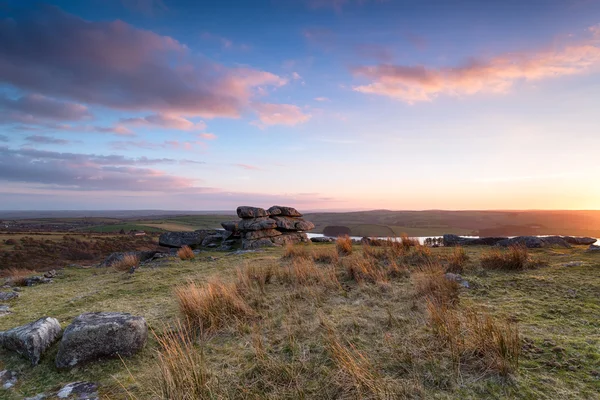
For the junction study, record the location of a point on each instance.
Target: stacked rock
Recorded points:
(273, 227)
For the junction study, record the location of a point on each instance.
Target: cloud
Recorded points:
(279, 114)
(165, 121)
(336, 5)
(247, 167)
(35, 108)
(147, 7)
(85, 171)
(116, 65)
(167, 144)
(322, 99)
(3, 138)
(40, 139)
(496, 75)
(375, 52)
(207, 136)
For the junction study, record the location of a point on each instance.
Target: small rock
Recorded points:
(39, 396)
(17, 289)
(50, 274)
(593, 248)
(573, 264)
(8, 379)
(322, 239)
(79, 391)
(32, 340)
(4, 296)
(101, 334)
(34, 280)
(4, 310)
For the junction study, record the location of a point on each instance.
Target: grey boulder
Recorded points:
(257, 224)
(455, 240)
(251, 212)
(285, 211)
(4, 296)
(257, 243)
(585, 241)
(8, 379)
(292, 223)
(251, 235)
(533, 242)
(79, 391)
(594, 248)
(101, 334)
(290, 238)
(230, 226)
(32, 340)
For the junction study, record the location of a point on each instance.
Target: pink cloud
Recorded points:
(279, 114)
(207, 136)
(35, 108)
(247, 167)
(167, 144)
(166, 121)
(116, 65)
(496, 75)
(321, 99)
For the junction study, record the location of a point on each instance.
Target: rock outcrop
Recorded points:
(534, 242)
(594, 248)
(527, 241)
(101, 334)
(455, 240)
(180, 239)
(581, 241)
(32, 340)
(277, 226)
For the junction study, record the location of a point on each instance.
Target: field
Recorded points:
(329, 329)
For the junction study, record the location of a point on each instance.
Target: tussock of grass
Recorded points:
(212, 305)
(296, 251)
(126, 263)
(430, 282)
(17, 276)
(181, 370)
(367, 269)
(186, 253)
(457, 261)
(516, 258)
(251, 276)
(408, 242)
(326, 255)
(418, 255)
(343, 244)
(304, 272)
(476, 340)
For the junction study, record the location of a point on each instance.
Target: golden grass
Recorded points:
(343, 245)
(476, 340)
(304, 272)
(326, 255)
(213, 305)
(126, 263)
(181, 370)
(186, 253)
(17, 276)
(430, 282)
(516, 258)
(250, 276)
(408, 242)
(296, 251)
(457, 261)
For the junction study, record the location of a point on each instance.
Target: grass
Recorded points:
(457, 261)
(343, 244)
(516, 258)
(16, 276)
(186, 253)
(383, 342)
(296, 251)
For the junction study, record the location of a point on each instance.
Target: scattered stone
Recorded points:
(4, 296)
(251, 212)
(8, 379)
(457, 278)
(116, 257)
(4, 310)
(101, 334)
(580, 240)
(79, 391)
(180, 239)
(593, 248)
(35, 280)
(50, 274)
(17, 289)
(322, 239)
(573, 264)
(32, 340)
(533, 242)
(284, 211)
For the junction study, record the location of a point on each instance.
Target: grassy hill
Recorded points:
(354, 326)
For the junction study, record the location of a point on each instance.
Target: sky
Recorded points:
(318, 104)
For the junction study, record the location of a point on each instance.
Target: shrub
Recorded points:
(457, 261)
(296, 251)
(127, 262)
(430, 282)
(212, 305)
(408, 242)
(10, 242)
(326, 255)
(182, 372)
(186, 253)
(343, 244)
(516, 258)
(476, 339)
(16, 276)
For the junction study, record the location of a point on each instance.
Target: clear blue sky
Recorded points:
(320, 104)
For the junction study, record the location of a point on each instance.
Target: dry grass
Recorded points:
(251, 276)
(304, 272)
(419, 255)
(343, 245)
(408, 242)
(516, 258)
(17, 276)
(181, 370)
(212, 305)
(186, 253)
(126, 263)
(431, 283)
(296, 251)
(326, 255)
(476, 340)
(457, 261)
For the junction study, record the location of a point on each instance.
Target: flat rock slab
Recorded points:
(32, 340)
(4, 296)
(79, 391)
(251, 212)
(580, 240)
(257, 224)
(285, 211)
(8, 379)
(92, 336)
